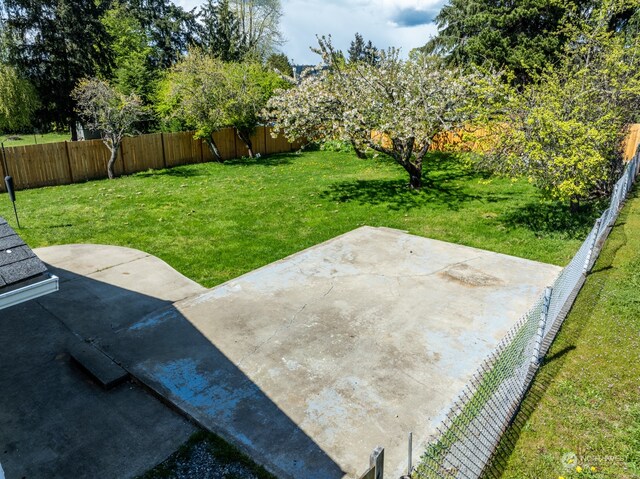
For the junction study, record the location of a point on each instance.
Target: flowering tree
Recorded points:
(407, 104)
(110, 112)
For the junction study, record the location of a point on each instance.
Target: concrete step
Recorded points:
(98, 365)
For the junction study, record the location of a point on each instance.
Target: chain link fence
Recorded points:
(469, 435)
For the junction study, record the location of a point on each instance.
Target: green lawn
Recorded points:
(584, 407)
(21, 139)
(213, 222)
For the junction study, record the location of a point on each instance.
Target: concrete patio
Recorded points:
(308, 363)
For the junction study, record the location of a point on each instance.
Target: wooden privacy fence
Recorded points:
(448, 139)
(68, 162)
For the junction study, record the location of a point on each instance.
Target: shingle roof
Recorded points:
(17, 262)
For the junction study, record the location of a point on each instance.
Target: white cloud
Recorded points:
(398, 23)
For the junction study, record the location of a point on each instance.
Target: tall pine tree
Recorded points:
(523, 36)
(55, 43)
(171, 29)
(222, 35)
(361, 52)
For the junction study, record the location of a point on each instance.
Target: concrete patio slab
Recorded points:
(356, 341)
(309, 363)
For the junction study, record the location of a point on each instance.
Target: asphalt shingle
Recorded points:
(5, 230)
(12, 241)
(17, 262)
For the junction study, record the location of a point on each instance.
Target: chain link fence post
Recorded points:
(544, 314)
(592, 247)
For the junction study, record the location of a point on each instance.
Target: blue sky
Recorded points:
(400, 23)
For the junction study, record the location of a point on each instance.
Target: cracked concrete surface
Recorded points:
(309, 363)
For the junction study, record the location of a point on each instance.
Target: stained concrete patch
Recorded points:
(469, 276)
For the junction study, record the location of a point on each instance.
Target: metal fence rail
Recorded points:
(469, 435)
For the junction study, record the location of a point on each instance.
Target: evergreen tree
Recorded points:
(171, 30)
(221, 32)
(280, 62)
(356, 50)
(132, 54)
(361, 52)
(523, 36)
(53, 44)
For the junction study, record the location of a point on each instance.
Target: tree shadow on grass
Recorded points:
(552, 217)
(441, 184)
(271, 160)
(192, 170)
(177, 172)
(396, 194)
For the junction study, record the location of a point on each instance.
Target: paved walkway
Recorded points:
(309, 363)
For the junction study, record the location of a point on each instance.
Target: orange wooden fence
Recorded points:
(68, 162)
(447, 139)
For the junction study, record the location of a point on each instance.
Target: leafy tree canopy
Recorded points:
(132, 53)
(170, 29)
(564, 131)
(260, 25)
(106, 110)
(207, 94)
(396, 107)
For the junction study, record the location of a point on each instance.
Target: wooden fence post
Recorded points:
(377, 461)
(124, 167)
(164, 156)
(376, 465)
(66, 149)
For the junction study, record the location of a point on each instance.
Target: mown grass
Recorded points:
(213, 222)
(583, 410)
(22, 139)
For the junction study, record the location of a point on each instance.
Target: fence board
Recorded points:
(2, 173)
(38, 165)
(258, 141)
(88, 159)
(226, 143)
(182, 149)
(277, 145)
(143, 152)
(632, 142)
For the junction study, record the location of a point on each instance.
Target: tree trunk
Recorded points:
(574, 206)
(246, 139)
(415, 176)
(73, 130)
(359, 153)
(213, 148)
(112, 160)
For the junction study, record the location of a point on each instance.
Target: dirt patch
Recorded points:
(469, 276)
